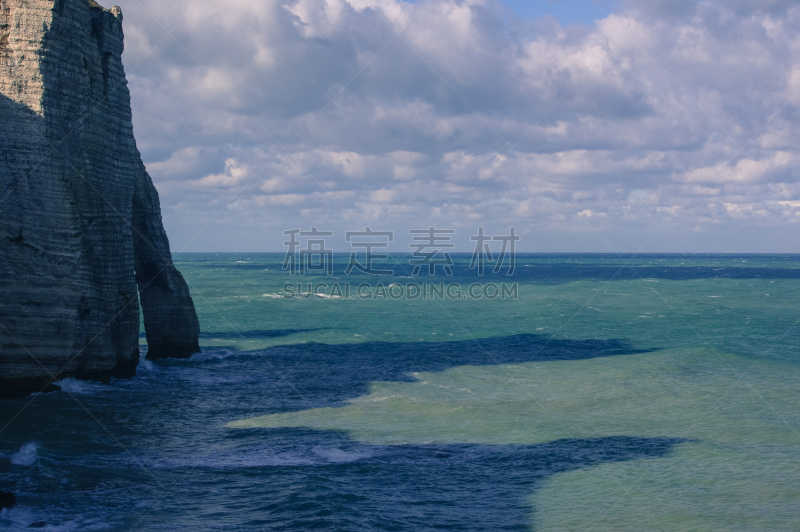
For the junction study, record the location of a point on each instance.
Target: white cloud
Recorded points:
(745, 170)
(313, 111)
(234, 174)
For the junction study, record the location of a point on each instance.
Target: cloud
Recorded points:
(233, 175)
(679, 120)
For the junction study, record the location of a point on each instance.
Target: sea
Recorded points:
(571, 392)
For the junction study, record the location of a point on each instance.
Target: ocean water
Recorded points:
(613, 393)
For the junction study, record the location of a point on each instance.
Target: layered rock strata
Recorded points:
(81, 237)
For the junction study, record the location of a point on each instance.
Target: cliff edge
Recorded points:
(81, 237)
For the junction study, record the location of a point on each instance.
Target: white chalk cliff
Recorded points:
(80, 223)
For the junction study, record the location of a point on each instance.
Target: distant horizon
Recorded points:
(523, 253)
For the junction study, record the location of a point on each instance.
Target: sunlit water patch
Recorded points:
(735, 416)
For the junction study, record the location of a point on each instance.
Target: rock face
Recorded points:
(7, 500)
(80, 221)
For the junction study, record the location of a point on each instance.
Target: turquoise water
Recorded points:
(655, 392)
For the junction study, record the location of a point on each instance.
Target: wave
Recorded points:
(76, 386)
(24, 519)
(316, 456)
(144, 366)
(26, 456)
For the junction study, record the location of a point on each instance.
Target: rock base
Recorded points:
(7, 500)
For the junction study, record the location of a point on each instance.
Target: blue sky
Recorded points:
(566, 11)
(671, 132)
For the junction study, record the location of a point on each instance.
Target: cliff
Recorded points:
(81, 237)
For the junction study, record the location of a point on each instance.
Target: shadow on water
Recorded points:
(350, 486)
(310, 375)
(301, 479)
(173, 418)
(406, 487)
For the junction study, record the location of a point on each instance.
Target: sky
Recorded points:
(610, 126)
(565, 11)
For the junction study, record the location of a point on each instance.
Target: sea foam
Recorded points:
(76, 386)
(26, 456)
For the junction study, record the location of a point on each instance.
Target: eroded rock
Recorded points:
(81, 236)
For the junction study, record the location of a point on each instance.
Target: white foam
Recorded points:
(318, 456)
(327, 296)
(17, 518)
(338, 456)
(26, 456)
(145, 365)
(20, 518)
(78, 386)
(217, 354)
